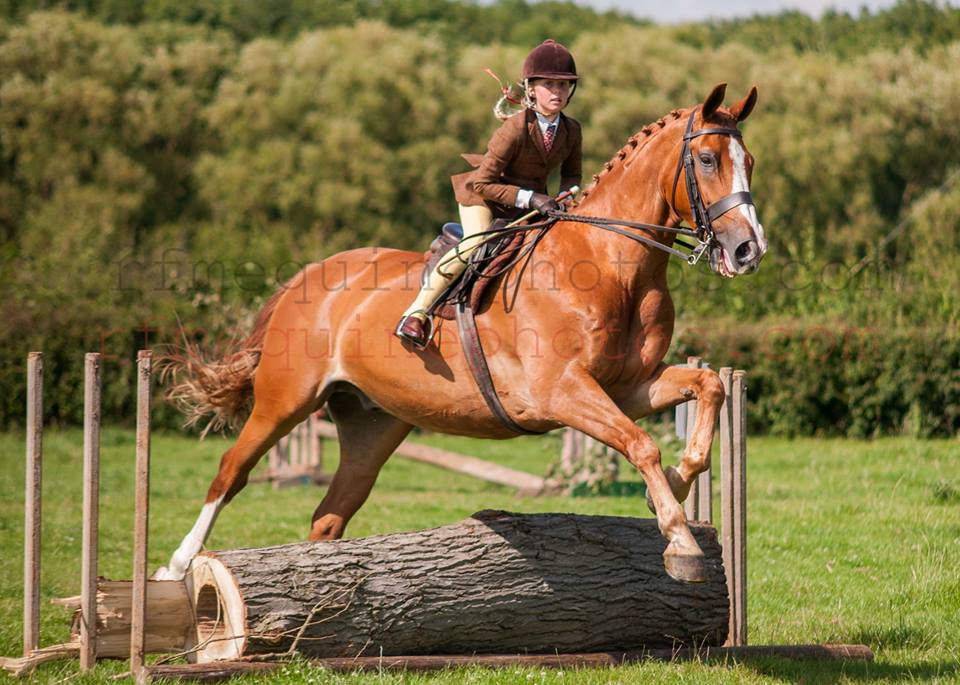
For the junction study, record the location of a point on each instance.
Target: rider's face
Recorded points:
(551, 95)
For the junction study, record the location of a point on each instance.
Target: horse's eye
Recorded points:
(706, 159)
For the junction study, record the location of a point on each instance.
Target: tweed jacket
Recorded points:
(516, 159)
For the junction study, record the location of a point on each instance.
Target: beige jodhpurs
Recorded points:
(474, 219)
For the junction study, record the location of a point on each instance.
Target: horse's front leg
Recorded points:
(578, 401)
(668, 387)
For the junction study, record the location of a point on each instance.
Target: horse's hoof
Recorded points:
(687, 568)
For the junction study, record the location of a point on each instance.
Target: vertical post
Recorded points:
(316, 442)
(293, 449)
(273, 462)
(740, 499)
(32, 495)
(91, 510)
(692, 504)
(141, 516)
(306, 454)
(727, 500)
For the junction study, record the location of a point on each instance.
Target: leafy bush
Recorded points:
(833, 379)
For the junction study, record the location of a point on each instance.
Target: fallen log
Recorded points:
(494, 583)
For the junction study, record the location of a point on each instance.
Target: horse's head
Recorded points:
(715, 168)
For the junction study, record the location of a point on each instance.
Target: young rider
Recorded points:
(512, 177)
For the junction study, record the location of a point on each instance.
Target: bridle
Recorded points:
(703, 216)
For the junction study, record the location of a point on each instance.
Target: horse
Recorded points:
(585, 350)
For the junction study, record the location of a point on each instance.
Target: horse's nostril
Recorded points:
(746, 251)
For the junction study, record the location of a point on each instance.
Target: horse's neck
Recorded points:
(630, 191)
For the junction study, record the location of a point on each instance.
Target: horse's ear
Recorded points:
(714, 100)
(742, 109)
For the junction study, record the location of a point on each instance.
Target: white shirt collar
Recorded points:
(544, 122)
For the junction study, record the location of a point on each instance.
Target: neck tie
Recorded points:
(548, 137)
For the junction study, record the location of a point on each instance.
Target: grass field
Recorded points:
(848, 542)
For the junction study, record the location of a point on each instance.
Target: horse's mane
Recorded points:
(634, 144)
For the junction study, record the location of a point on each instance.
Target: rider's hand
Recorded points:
(543, 204)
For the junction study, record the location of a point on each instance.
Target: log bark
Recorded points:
(494, 583)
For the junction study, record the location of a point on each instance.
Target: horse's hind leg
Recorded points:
(274, 414)
(367, 439)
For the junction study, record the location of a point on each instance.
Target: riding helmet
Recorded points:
(550, 60)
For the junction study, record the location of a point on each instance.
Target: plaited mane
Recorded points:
(634, 143)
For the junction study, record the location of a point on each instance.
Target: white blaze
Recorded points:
(740, 184)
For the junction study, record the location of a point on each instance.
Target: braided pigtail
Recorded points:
(508, 103)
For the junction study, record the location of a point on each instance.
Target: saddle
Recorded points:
(474, 283)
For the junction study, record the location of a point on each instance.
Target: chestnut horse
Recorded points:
(581, 346)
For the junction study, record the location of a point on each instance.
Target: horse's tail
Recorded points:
(219, 388)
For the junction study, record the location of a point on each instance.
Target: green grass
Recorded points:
(848, 542)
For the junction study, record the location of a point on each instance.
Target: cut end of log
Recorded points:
(220, 615)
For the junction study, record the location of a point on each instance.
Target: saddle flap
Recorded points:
(473, 159)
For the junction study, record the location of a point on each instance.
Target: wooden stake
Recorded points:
(91, 510)
(141, 517)
(293, 447)
(740, 501)
(32, 508)
(692, 504)
(727, 499)
(315, 428)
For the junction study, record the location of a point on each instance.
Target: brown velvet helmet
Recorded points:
(550, 60)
